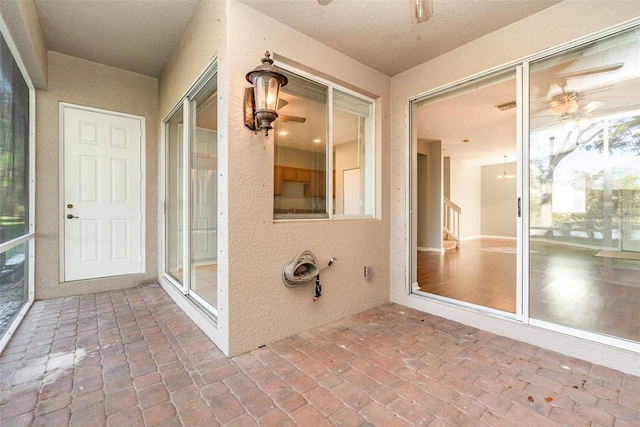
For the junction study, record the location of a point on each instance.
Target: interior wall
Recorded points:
(261, 308)
(295, 158)
(423, 202)
(87, 83)
(562, 23)
(346, 157)
(434, 217)
(499, 202)
(466, 192)
(446, 177)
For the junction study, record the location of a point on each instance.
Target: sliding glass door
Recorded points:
(584, 191)
(548, 231)
(191, 195)
(464, 198)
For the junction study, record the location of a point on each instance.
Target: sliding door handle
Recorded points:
(519, 207)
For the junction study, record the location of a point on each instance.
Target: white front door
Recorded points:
(103, 211)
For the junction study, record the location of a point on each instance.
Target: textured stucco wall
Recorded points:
(23, 24)
(87, 83)
(559, 24)
(203, 41)
(261, 308)
(254, 306)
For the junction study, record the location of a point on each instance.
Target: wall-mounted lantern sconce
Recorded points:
(261, 100)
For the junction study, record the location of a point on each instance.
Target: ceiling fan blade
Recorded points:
(548, 124)
(291, 119)
(591, 71)
(282, 103)
(591, 106)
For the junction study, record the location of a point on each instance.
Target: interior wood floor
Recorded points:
(481, 271)
(568, 285)
(205, 283)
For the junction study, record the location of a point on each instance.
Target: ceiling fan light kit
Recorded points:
(564, 103)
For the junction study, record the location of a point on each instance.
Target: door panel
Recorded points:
(102, 194)
(584, 192)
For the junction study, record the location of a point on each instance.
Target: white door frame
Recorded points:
(61, 183)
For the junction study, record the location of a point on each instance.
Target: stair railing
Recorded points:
(451, 219)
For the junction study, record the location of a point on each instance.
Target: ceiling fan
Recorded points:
(421, 10)
(570, 104)
(288, 119)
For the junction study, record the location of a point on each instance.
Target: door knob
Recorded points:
(70, 216)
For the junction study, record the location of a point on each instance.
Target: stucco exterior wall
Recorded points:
(20, 17)
(87, 83)
(203, 41)
(261, 308)
(253, 303)
(562, 23)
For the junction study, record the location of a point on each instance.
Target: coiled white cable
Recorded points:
(303, 268)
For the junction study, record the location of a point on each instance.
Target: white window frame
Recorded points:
(186, 103)
(374, 190)
(522, 315)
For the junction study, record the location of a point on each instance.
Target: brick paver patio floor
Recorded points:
(133, 357)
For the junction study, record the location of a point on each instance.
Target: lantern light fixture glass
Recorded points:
(261, 99)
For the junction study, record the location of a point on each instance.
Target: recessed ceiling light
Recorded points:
(317, 140)
(283, 133)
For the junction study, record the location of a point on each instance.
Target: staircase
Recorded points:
(450, 225)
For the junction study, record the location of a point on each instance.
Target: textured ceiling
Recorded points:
(138, 35)
(381, 34)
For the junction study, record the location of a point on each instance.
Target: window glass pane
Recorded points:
(174, 195)
(14, 148)
(585, 187)
(353, 155)
(300, 135)
(204, 194)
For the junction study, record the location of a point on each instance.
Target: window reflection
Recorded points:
(585, 187)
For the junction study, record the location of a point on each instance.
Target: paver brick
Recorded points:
(132, 357)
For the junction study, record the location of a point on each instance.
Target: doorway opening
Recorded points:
(465, 216)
